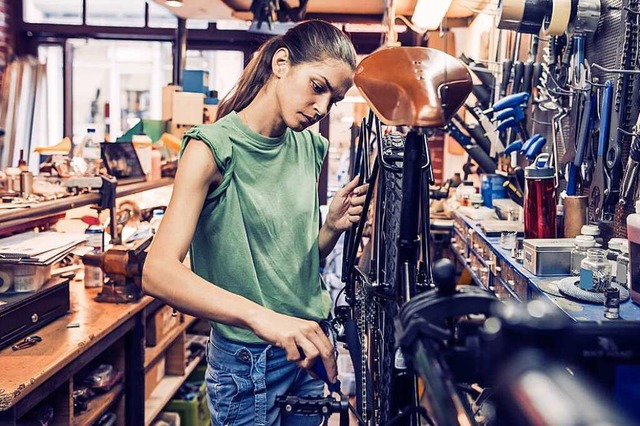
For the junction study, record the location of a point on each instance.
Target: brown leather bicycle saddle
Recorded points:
(413, 86)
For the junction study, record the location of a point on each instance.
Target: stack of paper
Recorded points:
(38, 248)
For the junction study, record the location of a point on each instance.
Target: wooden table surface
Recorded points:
(24, 370)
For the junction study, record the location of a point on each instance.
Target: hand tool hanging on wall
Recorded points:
(529, 66)
(572, 160)
(585, 22)
(588, 157)
(623, 105)
(475, 132)
(597, 182)
(486, 164)
(630, 177)
(507, 66)
(490, 130)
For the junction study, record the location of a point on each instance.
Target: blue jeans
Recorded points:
(243, 381)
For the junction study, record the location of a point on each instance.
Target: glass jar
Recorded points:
(595, 271)
(622, 269)
(579, 252)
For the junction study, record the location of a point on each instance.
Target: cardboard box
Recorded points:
(188, 108)
(167, 100)
(160, 324)
(154, 374)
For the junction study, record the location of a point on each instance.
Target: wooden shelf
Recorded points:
(98, 406)
(13, 218)
(153, 352)
(165, 390)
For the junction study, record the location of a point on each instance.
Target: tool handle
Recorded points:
(534, 148)
(506, 76)
(513, 146)
(538, 69)
(511, 101)
(583, 134)
(518, 72)
(533, 139)
(507, 123)
(605, 118)
(526, 77)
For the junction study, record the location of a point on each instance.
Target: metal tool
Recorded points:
(123, 265)
(585, 22)
(570, 161)
(631, 171)
(27, 342)
(623, 104)
(597, 182)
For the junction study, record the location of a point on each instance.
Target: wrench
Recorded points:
(597, 182)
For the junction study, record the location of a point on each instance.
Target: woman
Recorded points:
(245, 202)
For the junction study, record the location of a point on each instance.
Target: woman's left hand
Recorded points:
(346, 207)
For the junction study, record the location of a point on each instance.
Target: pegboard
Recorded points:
(605, 49)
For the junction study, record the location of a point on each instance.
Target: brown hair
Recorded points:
(309, 41)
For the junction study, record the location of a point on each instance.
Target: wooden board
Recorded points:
(24, 370)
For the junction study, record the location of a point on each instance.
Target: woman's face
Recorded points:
(306, 92)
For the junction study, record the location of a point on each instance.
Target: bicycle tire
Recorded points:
(390, 193)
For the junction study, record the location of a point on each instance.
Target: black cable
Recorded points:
(411, 410)
(353, 410)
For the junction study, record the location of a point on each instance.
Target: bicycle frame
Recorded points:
(411, 275)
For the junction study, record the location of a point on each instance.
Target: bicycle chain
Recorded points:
(628, 61)
(361, 322)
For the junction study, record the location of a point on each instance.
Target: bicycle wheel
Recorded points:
(383, 341)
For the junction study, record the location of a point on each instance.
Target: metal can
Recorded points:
(95, 237)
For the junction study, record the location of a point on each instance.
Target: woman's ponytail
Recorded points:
(308, 41)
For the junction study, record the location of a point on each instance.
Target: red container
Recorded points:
(540, 200)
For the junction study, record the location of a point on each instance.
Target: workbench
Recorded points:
(91, 333)
(493, 268)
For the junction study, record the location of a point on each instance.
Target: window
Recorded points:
(50, 132)
(118, 13)
(224, 67)
(161, 17)
(116, 84)
(67, 12)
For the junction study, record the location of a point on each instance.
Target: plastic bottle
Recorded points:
(622, 267)
(156, 163)
(90, 146)
(155, 220)
(540, 199)
(633, 234)
(142, 144)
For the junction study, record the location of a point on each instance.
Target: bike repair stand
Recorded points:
(316, 406)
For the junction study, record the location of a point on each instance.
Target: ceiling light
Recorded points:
(174, 3)
(428, 14)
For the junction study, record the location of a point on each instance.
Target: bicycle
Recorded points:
(423, 90)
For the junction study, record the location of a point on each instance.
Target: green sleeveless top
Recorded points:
(257, 235)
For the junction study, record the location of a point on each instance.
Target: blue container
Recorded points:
(492, 188)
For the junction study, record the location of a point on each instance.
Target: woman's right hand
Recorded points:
(293, 334)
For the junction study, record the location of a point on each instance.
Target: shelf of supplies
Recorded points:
(152, 352)
(16, 217)
(98, 406)
(165, 390)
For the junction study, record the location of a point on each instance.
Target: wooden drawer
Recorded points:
(160, 324)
